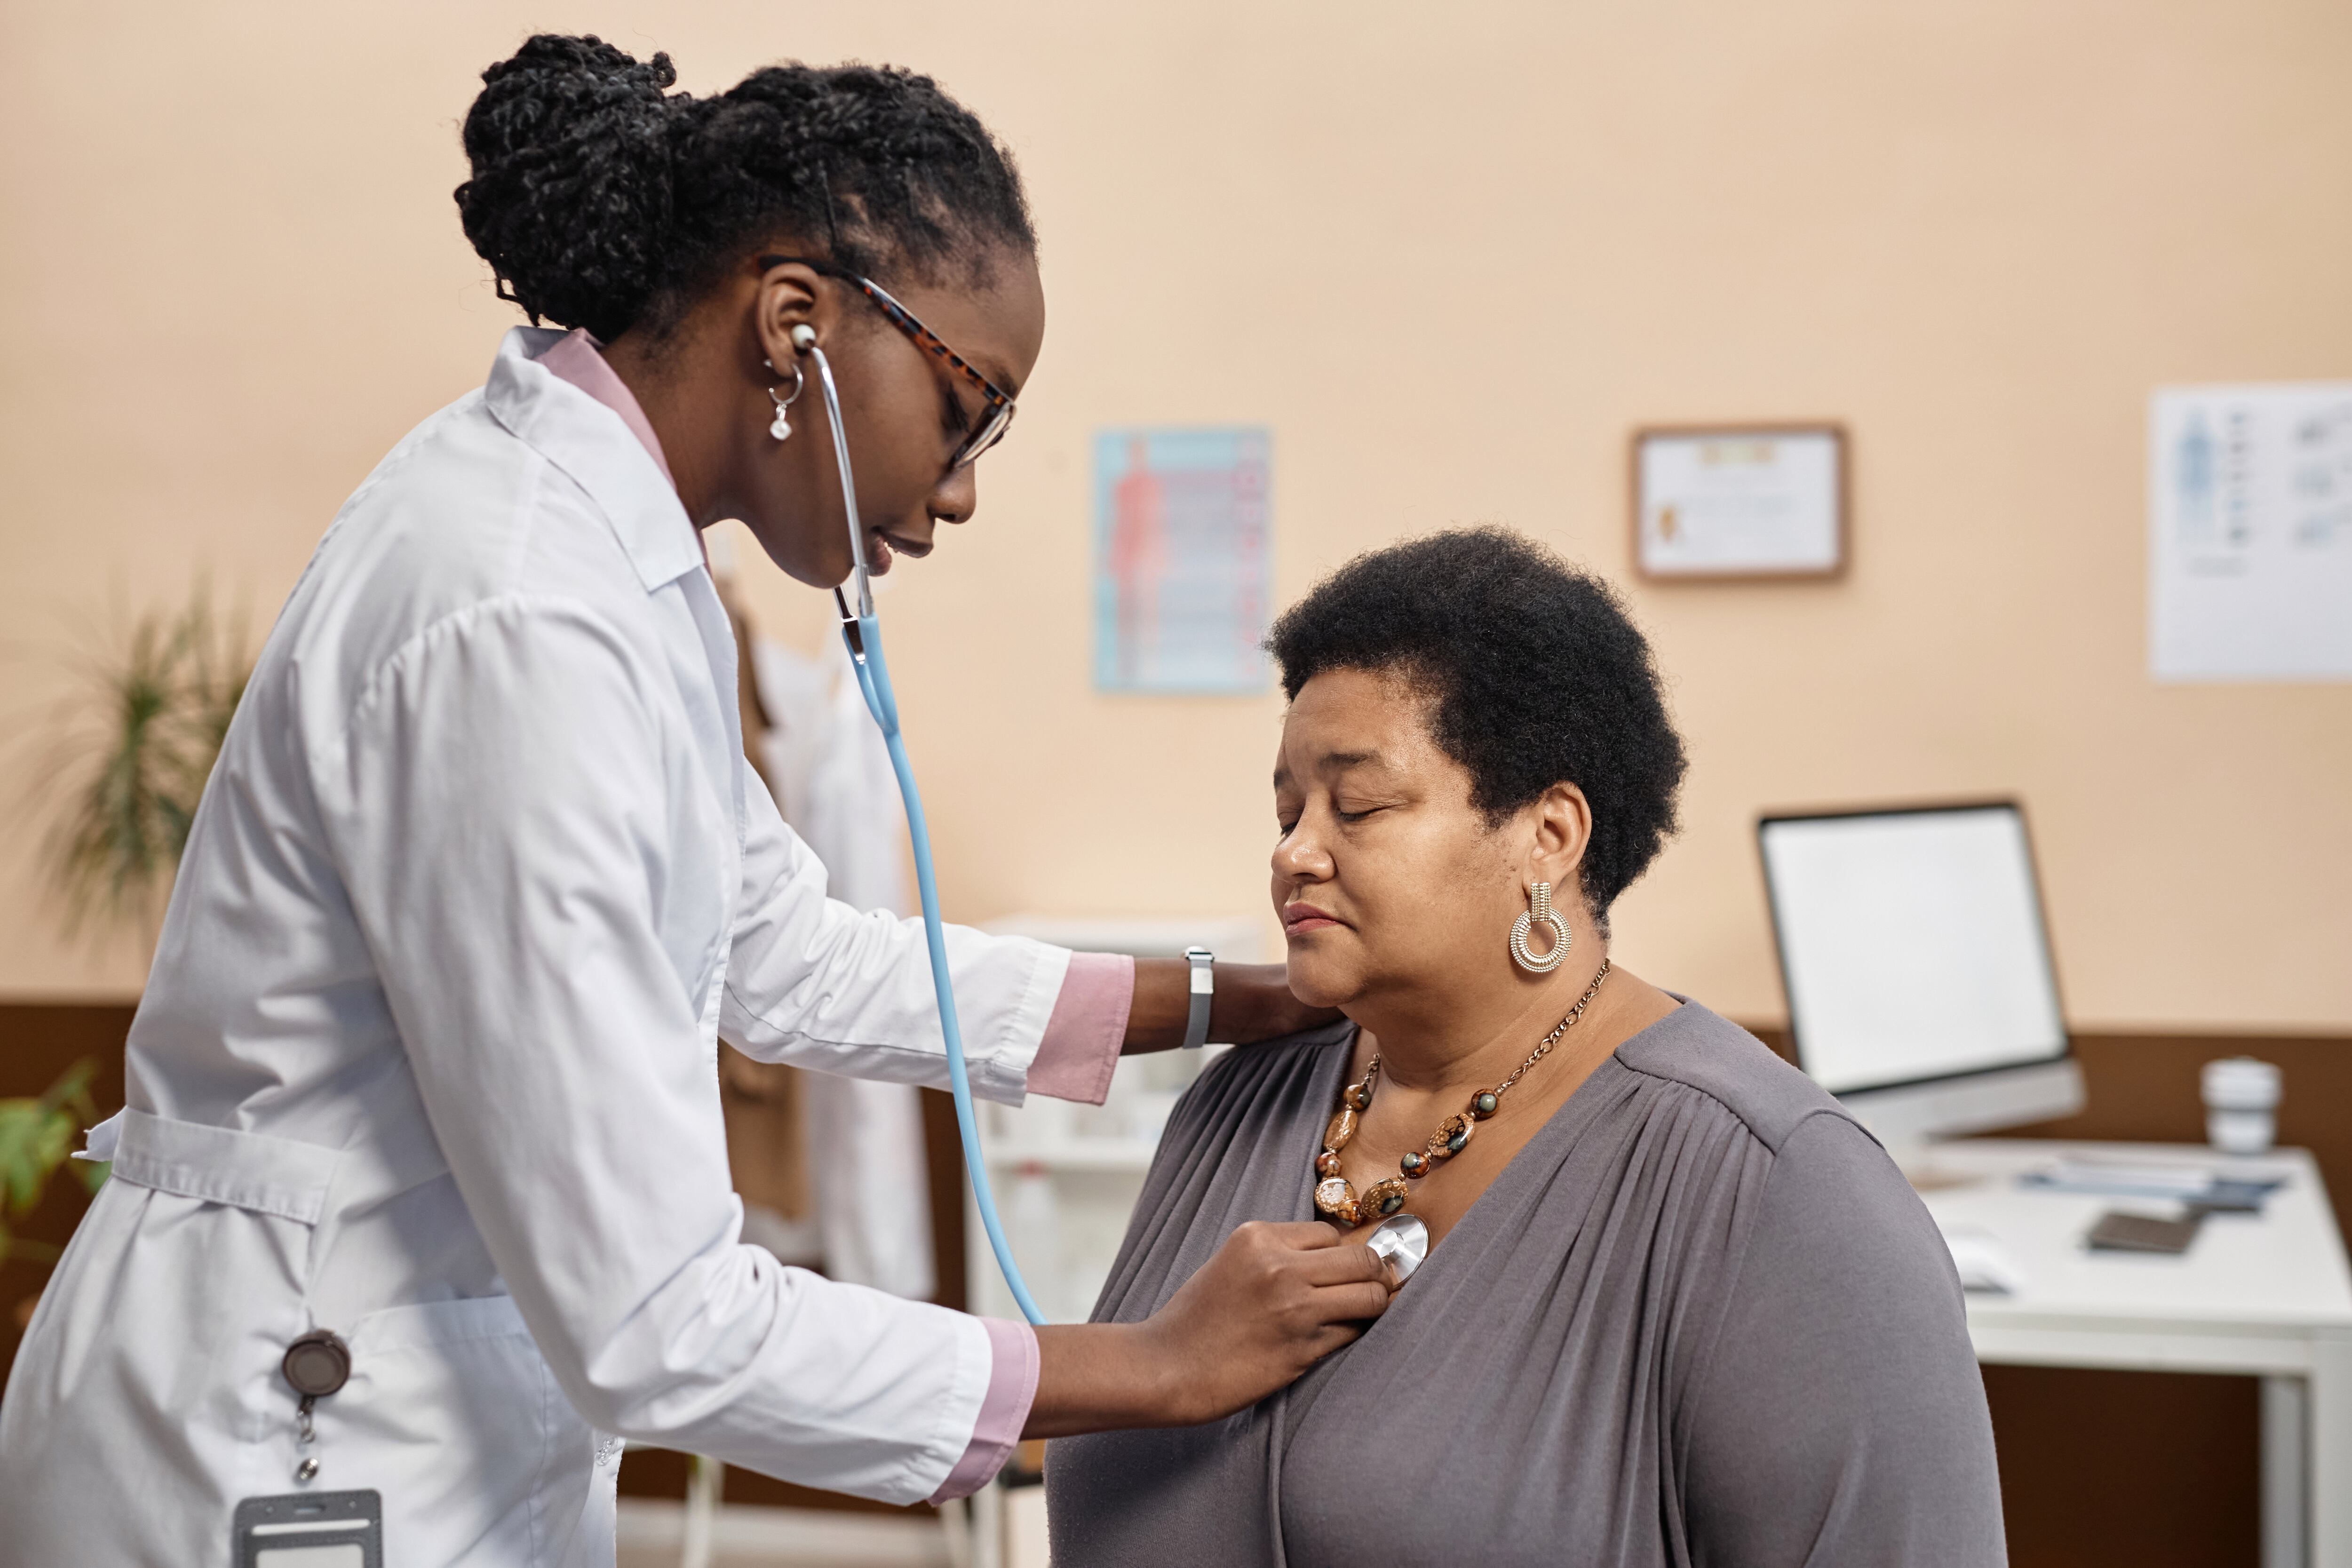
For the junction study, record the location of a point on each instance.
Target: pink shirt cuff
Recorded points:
(1012, 1388)
(1082, 1039)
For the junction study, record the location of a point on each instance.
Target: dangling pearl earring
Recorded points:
(1540, 911)
(782, 429)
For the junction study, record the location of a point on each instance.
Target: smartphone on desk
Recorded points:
(2119, 1232)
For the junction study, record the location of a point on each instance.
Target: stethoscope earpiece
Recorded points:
(804, 336)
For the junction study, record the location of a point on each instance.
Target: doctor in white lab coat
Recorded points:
(428, 1057)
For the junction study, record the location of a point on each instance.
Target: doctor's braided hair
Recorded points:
(1533, 673)
(602, 199)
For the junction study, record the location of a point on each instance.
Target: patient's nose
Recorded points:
(1299, 857)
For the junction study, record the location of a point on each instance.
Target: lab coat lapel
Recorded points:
(719, 647)
(589, 442)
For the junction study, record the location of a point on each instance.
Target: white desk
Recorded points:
(2267, 1295)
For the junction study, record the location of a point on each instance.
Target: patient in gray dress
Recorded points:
(1677, 1306)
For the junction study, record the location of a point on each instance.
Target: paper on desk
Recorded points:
(1982, 1263)
(2235, 1186)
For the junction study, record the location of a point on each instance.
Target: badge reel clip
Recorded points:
(316, 1365)
(342, 1527)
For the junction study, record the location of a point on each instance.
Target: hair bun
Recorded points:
(571, 199)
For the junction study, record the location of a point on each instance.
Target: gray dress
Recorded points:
(1699, 1318)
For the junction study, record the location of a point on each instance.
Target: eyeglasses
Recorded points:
(996, 405)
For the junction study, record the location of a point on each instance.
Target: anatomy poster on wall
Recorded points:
(2250, 533)
(1183, 561)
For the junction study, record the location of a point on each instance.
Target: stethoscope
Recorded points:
(863, 632)
(1403, 1239)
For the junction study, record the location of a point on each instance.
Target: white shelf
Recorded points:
(1091, 1155)
(1073, 1154)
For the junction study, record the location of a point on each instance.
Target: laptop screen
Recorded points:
(1911, 945)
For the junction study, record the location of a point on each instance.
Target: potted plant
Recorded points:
(132, 765)
(127, 768)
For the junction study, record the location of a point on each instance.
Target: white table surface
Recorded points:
(2282, 1268)
(2268, 1295)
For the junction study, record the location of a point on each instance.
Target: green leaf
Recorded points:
(37, 1136)
(24, 1127)
(31, 1251)
(127, 788)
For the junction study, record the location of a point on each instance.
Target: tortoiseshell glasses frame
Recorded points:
(997, 406)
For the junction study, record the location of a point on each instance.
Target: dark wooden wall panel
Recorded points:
(38, 1044)
(2153, 1469)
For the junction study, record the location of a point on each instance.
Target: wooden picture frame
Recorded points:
(1740, 502)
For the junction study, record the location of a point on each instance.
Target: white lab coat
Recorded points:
(831, 770)
(428, 1056)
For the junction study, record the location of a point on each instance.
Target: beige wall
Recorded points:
(1451, 256)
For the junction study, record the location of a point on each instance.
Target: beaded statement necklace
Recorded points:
(1338, 1200)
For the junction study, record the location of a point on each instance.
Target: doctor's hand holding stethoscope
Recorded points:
(421, 1201)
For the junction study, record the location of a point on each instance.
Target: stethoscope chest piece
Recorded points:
(1404, 1240)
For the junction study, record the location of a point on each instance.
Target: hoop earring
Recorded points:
(782, 427)
(1540, 911)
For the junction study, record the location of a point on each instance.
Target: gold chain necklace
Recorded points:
(1333, 1195)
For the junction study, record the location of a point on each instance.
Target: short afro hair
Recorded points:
(1536, 676)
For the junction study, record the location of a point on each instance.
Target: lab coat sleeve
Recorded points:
(505, 808)
(817, 983)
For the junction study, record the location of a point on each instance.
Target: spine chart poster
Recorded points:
(1182, 560)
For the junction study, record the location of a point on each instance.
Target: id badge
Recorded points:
(309, 1530)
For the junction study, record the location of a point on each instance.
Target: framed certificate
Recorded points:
(1740, 501)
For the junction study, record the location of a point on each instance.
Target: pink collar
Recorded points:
(576, 360)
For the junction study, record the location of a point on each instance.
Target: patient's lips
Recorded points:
(1299, 918)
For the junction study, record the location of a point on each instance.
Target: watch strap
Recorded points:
(1204, 986)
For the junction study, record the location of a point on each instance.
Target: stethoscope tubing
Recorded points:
(848, 498)
(863, 634)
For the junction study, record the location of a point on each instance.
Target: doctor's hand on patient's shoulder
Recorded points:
(1252, 1003)
(1275, 1299)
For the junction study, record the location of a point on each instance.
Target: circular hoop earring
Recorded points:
(1540, 911)
(782, 427)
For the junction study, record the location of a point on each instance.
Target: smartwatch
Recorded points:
(1204, 988)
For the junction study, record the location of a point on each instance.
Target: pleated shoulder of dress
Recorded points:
(1547, 1389)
